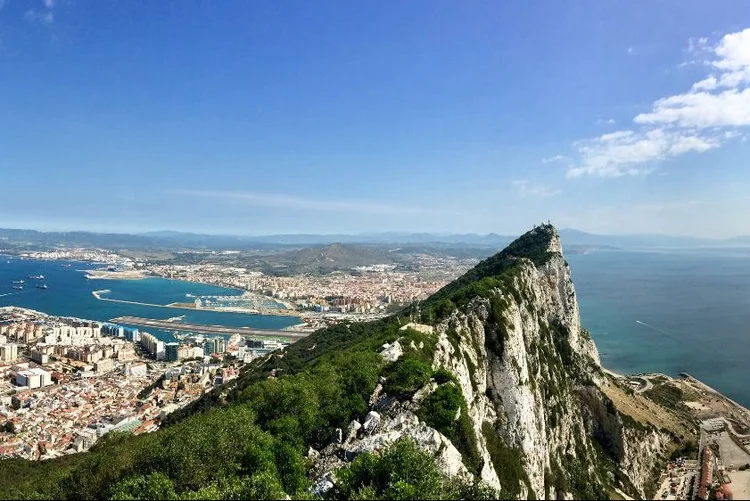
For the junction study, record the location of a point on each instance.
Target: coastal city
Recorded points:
(66, 382)
(362, 293)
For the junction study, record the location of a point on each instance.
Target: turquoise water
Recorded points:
(670, 311)
(69, 294)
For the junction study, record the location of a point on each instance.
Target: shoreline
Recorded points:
(684, 377)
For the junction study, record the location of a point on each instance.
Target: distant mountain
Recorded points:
(32, 239)
(326, 259)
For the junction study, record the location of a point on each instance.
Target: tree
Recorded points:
(402, 471)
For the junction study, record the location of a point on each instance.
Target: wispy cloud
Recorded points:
(715, 110)
(527, 189)
(556, 158)
(631, 50)
(286, 201)
(42, 15)
(697, 44)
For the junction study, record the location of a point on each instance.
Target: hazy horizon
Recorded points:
(377, 233)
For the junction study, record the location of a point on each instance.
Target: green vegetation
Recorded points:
(407, 374)
(688, 449)
(445, 410)
(403, 471)
(508, 463)
(666, 395)
(496, 272)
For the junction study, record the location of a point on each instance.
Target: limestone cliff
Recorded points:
(539, 426)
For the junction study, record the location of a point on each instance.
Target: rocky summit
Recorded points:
(492, 382)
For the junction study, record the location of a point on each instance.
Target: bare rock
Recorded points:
(372, 420)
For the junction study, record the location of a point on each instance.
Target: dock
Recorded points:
(207, 329)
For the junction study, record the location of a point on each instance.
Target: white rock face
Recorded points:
(532, 402)
(640, 447)
(527, 371)
(392, 352)
(406, 424)
(424, 329)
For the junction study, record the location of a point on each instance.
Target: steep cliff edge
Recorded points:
(509, 333)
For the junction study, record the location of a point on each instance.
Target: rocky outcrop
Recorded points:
(530, 375)
(379, 430)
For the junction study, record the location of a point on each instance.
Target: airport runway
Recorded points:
(206, 329)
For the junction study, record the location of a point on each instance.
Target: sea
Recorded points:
(649, 310)
(670, 311)
(69, 294)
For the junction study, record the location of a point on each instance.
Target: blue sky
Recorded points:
(255, 117)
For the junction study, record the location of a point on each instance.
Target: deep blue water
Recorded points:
(69, 294)
(670, 311)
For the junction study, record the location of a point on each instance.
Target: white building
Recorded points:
(8, 352)
(34, 378)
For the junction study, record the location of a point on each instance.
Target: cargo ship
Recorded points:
(43, 286)
(18, 287)
(17, 281)
(36, 277)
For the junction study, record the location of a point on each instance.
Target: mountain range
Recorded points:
(175, 239)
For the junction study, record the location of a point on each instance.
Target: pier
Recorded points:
(207, 329)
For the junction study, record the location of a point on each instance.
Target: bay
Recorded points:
(69, 293)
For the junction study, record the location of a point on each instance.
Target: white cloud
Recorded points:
(526, 189)
(285, 201)
(709, 83)
(556, 158)
(631, 51)
(696, 121)
(730, 108)
(627, 153)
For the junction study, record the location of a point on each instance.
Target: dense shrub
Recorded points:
(407, 374)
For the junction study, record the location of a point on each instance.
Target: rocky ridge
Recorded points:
(538, 425)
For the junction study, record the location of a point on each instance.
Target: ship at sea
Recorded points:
(43, 286)
(36, 277)
(17, 281)
(18, 287)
